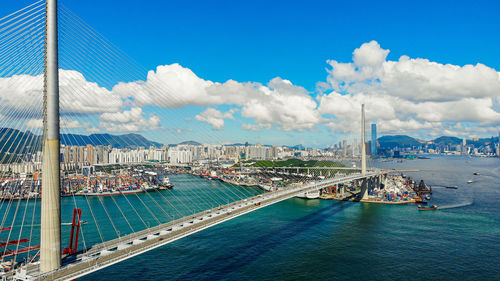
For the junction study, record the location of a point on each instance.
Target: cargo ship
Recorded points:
(102, 191)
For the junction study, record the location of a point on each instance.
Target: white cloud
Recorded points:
(413, 79)
(36, 123)
(215, 117)
(168, 86)
(279, 103)
(24, 94)
(21, 94)
(73, 124)
(283, 104)
(93, 130)
(250, 127)
(405, 95)
(409, 94)
(77, 95)
(128, 121)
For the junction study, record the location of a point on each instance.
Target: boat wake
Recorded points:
(455, 206)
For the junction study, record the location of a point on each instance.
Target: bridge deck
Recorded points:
(114, 251)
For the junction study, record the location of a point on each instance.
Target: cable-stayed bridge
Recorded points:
(59, 75)
(111, 252)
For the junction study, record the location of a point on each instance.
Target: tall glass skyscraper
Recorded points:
(374, 139)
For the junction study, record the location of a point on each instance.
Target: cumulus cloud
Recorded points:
(283, 104)
(21, 94)
(131, 120)
(93, 130)
(215, 117)
(73, 124)
(408, 94)
(168, 86)
(35, 123)
(279, 103)
(24, 95)
(413, 79)
(250, 127)
(77, 95)
(403, 95)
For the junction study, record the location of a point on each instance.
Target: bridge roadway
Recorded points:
(114, 251)
(304, 168)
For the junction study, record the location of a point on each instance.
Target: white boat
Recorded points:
(165, 183)
(469, 181)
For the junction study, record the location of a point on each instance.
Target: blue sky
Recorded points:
(260, 40)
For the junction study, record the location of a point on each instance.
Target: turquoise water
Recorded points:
(324, 240)
(328, 240)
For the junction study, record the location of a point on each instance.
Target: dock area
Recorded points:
(393, 188)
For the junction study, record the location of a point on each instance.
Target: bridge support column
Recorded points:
(364, 189)
(50, 240)
(363, 145)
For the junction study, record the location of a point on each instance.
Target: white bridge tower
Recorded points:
(50, 244)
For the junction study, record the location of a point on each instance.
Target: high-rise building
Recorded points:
(344, 147)
(463, 148)
(498, 144)
(374, 140)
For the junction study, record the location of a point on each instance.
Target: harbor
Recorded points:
(342, 231)
(392, 188)
(395, 188)
(87, 183)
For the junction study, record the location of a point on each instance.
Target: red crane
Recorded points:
(75, 231)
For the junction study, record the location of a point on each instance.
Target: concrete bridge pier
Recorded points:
(368, 184)
(364, 189)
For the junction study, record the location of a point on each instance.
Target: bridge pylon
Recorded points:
(363, 145)
(50, 242)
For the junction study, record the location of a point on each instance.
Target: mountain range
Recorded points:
(16, 141)
(401, 141)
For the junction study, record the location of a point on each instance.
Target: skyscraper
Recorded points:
(498, 144)
(344, 147)
(374, 140)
